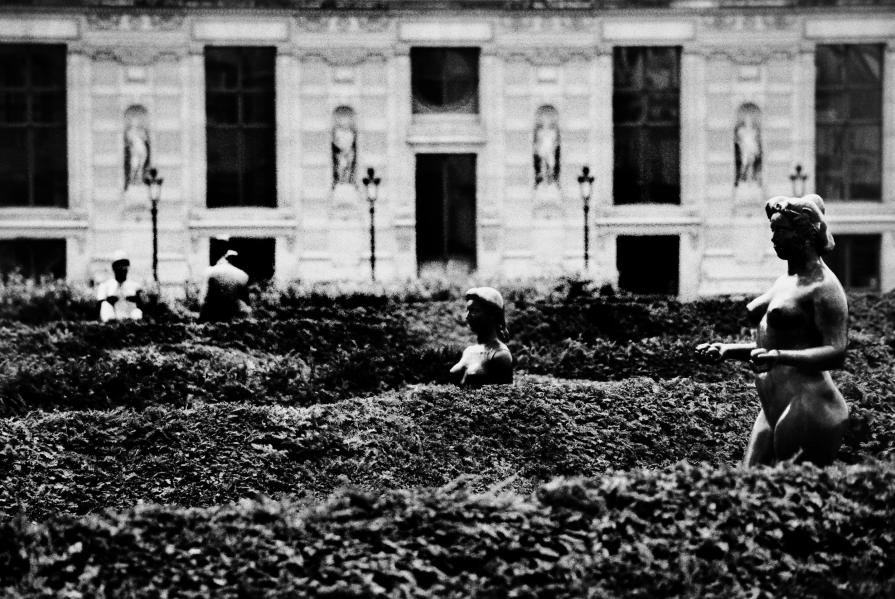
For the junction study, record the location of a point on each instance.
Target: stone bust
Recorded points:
(488, 362)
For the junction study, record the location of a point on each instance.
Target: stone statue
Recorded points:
(801, 335)
(344, 146)
(546, 146)
(136, 146)
(488, 362)
(226, 291)
(747, 144)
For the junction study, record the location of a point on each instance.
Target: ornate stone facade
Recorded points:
(360, 61)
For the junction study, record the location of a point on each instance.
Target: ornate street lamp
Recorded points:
(371, 185)
(798, 181)
(586, 186)
(154, 182)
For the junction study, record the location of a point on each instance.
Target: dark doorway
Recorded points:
(255, 255)
(445, 211)
(648, 263)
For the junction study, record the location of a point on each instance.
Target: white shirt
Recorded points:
(122, 309)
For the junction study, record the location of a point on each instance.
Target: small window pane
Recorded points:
(829, 65)
(222, 108)
(830, 106)
(628, 107)
(13, 73)
(664, 108)
(48, 67)
(257, 108)
(865, 106)
(48, 107)
(13, 107)
(864, 65)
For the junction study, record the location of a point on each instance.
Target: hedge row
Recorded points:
(79, 462)
(291, 365)
(683, 532)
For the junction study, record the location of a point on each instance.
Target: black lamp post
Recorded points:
(586, 185)
(154, 182)
(371, 184)
(798, 181)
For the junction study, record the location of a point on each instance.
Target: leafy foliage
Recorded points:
(686, 531)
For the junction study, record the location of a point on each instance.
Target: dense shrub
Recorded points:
(687, 531)
(77, 462)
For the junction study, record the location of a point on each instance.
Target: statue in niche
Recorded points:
(546, 146)
(747, 144)
(344, 146)
(801, 335)
(136, 145)
(488, 362)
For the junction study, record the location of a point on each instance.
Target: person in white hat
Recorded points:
(226, 289)
(488, 362)
(120, 298)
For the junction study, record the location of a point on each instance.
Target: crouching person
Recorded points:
(120, 298)
(226, 291)
(488, 362)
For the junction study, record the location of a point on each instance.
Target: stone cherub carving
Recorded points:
(801, 336)
(488, 362)
(546, 145)
(136, 145)
(747, 144)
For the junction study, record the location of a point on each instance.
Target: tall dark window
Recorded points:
(855, 260)
(240, 126)
(33, 147)
(646, 94)
(848, 116)
(445, 79)
(32, 258)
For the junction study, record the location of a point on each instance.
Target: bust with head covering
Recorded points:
(488, 362)
(226, 289)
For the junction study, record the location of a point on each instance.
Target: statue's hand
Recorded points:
(762, 359)
(711, 353)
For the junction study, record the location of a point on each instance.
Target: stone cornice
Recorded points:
(130, 55)
(123, 21)
(343, 56)
(551, 55)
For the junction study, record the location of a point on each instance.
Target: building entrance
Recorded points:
(445, 212)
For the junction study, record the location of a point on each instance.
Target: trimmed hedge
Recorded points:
(79, 462)
(684, 532)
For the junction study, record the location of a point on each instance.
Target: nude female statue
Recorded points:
(488, 362)
(801, 335)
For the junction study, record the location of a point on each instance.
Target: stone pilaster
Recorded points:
(888, 158)
(803, 132)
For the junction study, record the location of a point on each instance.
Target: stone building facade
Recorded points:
(735, 87)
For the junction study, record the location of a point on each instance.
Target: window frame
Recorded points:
(841, 126)
(846, 243)
(645, 127)
(241, 129)
(32, 128)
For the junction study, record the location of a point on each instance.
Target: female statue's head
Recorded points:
(798, 225)
(484, 312)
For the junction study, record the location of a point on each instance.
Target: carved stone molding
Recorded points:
(342, 57)
(535, 24)
(750, 23)
(343, 24)
(131, 55)
(751, 55)
(550, 56)
(135, 22)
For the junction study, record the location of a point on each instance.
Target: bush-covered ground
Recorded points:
(242, 430)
